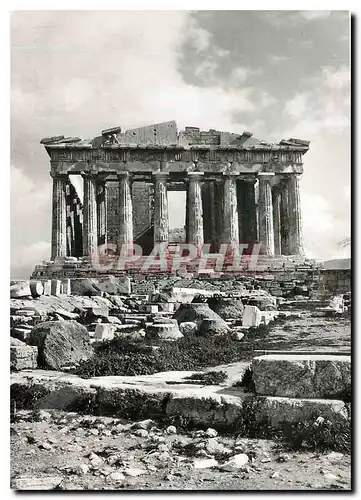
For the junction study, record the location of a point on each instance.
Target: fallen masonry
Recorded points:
(54, 334)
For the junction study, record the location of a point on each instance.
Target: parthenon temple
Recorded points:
(239, 190)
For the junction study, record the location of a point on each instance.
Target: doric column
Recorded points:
(125, 236)
(230, 211)
(295, 214)
(161, 224)
(252, 229)
(266, 235)
(209, 213)
(276, 202)
(58, 231)
(90, 230)
(285, 220)
(195, 210)
(102, 213)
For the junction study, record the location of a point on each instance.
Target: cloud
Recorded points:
(30, 222)
(312, 15)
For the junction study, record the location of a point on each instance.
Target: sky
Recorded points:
(278, 74)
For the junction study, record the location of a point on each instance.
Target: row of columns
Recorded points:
(279, 213)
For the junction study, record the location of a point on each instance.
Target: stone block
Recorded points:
(166, 307)
(22, 356)
(279, 410)
(66, 286)
(55, 287)
(36, 288)
(20, 289)
(104, 331)
(188, 328)
(251, 316)
(47, 287)
(25, 312)
(163, 331)
(302, 375)
(61, 343)
(21, 333)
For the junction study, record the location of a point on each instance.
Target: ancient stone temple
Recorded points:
(239, 190)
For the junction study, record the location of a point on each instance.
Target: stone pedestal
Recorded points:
(230, 212)
(195, 210)
(161, 228)
(276, 202)
(125, 238)
(266, 234)
(58, 232)
(295, 214)
(90, 231)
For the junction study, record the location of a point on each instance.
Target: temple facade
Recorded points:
(239, 190)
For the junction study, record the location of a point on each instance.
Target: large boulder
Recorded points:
(22, 356)
(302, 376)
(196, 312)
(226, 308)
(213, 327)
(61, 343)
(20, 289)
(84, 286)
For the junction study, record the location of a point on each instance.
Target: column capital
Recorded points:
(267, 176)
(195, 176)
(123, 175)
(55, 175)
(249, 180)
(88, 175)
(232, 175)
(160, 175)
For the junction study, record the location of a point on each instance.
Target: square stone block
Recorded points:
(302, 375)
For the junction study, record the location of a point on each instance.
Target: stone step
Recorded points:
(302, 375)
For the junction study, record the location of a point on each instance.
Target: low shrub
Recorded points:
(125, 357)
(208, 378)
(318, 435)
(247, 381)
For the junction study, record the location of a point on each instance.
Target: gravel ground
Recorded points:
(70, 452)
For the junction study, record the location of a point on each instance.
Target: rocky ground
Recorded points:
(65, 451)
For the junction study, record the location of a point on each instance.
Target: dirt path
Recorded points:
(58, 450)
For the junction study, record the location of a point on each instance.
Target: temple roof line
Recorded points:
(165, 136)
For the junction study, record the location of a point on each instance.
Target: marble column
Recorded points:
(276, 202)
(285, 221)
(209, 213)
(195, 210)
(230, 211)
(295, 214)
(90, 230)
(161, 223)
(251, 211)
(58, 231)
(102, 213)
(125, 235)
(266, 234)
